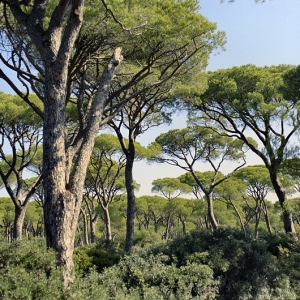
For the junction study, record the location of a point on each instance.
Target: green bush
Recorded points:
(101, 255)
(28, 271)
(151, 277)
(246, 268)
(201, 265)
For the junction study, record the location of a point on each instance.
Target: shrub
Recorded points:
(28, 271)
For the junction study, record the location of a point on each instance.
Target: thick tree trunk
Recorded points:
(130, 203)
(20, 212)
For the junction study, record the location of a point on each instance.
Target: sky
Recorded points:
(262, 34)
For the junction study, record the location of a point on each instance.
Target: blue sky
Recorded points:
(262, 34)
(257, 33)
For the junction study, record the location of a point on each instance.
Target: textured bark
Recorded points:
(85, 227)
(20, 212)
(107, 225)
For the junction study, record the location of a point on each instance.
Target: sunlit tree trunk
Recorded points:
(20, 212)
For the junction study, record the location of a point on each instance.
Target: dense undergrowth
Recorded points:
(200, 265)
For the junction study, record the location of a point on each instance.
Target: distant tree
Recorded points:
(170, 188)
(258, 185)
(6, 218)
(20, 138)
(184, 147)
(232, 192)
(260, 100)
(105, 178)
(154, 209)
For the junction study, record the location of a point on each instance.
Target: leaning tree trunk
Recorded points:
(239, 217)
(210, 211)
(281, 195)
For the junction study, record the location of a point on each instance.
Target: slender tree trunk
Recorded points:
(183, 226)
(281, 195)
(257, 219)
(210, 212)
(130, 201)
(107, 225)
(168, 228)
(93, 223)
(85, 227)
(267, 219)
(239, 217)
(20, 212)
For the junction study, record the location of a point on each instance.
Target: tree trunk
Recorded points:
(168, 228)
(210, 212)
(130, 201)
(288, 222)
(20, 212)
(93, 223)
(257, 219)
(183, 226)
(85, 227)
(281, 195)
(107, 225)
(267, 219)
(239, 217)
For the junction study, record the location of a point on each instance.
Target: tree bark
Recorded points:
(107, 225)
(93, 223)
(85, 227)
(130, 201)
(281, 195)
(20, 212)
(210, 212)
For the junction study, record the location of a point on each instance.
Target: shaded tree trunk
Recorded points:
(281, 195)
(130, 200)
(85, 227)
(93, 223)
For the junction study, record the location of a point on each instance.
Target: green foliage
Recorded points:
(247, 269)
(150, 276)
(28, 271)
(101, 255)
(201, 265)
